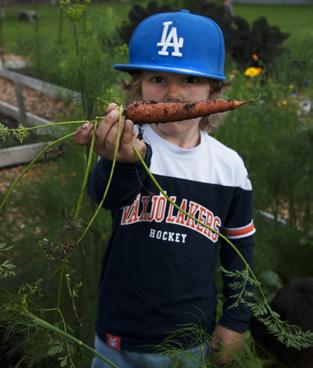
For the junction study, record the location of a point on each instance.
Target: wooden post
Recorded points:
(20, 103)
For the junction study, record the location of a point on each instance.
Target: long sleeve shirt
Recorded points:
(158, 269)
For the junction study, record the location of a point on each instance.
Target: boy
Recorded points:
(158, 271)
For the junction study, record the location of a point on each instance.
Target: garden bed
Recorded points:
(20, 154)
(39, 102)
(12, 61)
(47, 107)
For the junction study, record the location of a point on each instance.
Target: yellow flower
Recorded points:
(253, 71)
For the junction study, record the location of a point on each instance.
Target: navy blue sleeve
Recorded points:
(239, 229)
(125, 185)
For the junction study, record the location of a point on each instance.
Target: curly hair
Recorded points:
(132, 90)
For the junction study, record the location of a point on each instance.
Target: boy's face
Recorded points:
(162, 86)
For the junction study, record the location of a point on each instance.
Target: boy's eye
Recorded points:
(191, 80)
(157, 79)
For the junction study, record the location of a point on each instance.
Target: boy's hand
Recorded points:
(106, 134)
(83, 134)
(226, 342)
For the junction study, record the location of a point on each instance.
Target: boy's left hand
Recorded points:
(226, 342)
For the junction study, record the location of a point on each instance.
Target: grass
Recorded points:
(15, 32)
(286, 17)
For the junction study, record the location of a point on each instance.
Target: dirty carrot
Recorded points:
(149, 112)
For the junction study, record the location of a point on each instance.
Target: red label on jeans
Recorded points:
(113, 341)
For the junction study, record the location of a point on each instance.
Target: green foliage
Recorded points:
(271, 282)
(275, 140)
(241, 280)
(20, 133)
(179, 358)
(291, 336)
(75, 12)
(4, 131)
(87, 65)
(41, 206)
(6, 267)
(50, 348)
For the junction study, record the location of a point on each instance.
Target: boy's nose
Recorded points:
(174, 91)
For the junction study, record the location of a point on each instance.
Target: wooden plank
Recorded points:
(20, 154)
(13, 112)
(9, 110)
(20, 103)
(45, 88)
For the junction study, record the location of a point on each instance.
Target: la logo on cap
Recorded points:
(170, 39)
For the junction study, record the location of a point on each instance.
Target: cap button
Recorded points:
(185, 11)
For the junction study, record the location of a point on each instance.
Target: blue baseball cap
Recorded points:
(177, 42)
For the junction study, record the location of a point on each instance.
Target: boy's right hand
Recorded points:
(106, 134)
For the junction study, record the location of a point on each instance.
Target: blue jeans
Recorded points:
(192, 358)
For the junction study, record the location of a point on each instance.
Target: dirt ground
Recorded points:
(10, 173)
(44, 106)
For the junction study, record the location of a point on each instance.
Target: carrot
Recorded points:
(149, 112)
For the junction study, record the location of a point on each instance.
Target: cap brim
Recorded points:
(169, 69)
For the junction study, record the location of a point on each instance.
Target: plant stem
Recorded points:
(50, 124)
(31, 164)
(44, 324)
(78, 205)
(84, 184)
(60, 286)
(117, 143)
(81, 79)
(37, 40)
(61, 22)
